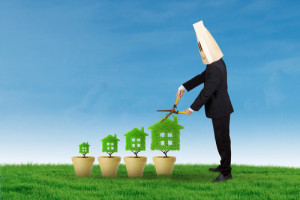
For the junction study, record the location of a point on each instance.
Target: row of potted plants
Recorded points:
(164, 137)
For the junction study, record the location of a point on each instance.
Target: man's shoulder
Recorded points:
(216, 67)
(213, 68)
(216, 63)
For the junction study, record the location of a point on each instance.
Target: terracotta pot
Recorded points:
(164, 166)
(109, 166)
(135, 166)
(83, 166)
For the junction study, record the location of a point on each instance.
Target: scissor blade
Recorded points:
(166, 117)
(163, 111)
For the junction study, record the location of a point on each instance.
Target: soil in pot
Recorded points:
(135, 166)
(164, 165)
(109, 165)
(83, 165)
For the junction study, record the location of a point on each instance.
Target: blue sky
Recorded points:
(74, 71)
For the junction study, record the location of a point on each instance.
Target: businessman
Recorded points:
(214, 96)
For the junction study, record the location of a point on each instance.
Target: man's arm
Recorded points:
(180, 94)
(212, 82)
(194, 82)
(191, 84)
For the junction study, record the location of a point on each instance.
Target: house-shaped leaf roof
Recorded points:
(110, 138)
(84, 144)
(166, 125)
(135, 132)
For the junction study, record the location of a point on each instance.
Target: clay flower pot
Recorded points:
(109, 166)
(135, 166)
(83, 166)
(163, 165)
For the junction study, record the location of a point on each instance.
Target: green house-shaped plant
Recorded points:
(110, 144)
(136, 140)
(165, 136)
(84, 148)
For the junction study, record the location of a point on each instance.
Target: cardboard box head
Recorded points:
(208, 47)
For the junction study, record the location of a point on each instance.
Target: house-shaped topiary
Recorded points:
(84, 148)
(110, 144)
(136, 140)
(165, 136)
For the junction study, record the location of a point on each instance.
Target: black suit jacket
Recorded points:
(214, 95)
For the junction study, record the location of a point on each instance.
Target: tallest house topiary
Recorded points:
(165, 137)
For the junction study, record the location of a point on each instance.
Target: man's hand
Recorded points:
(179, 94)
(188, 112)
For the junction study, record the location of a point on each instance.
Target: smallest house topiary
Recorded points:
(84, 148)
(136, 140)
(110, 144)
(166, 136)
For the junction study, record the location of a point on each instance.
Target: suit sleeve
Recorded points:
(213, 79)
(194, 82)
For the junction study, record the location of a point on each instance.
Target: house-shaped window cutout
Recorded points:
(112, 144)
(107, 143)
(169, 142)
(112, 148)
(170, 135)
(162, 142)
(138, 139)
(162, 134)
(133, 145)
(138, 145)
(133, 139)
(108, 148)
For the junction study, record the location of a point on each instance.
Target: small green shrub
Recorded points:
(84, 148)
(136, 141)
(165, 136)
(110, 144)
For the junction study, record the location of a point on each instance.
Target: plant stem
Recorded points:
(110, 154)
(84, 155)
(165, 152)
(136, 153)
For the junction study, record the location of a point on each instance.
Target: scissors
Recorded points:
(173, 109)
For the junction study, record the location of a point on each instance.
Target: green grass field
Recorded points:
(187, 182)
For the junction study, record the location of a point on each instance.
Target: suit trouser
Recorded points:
(221, 130)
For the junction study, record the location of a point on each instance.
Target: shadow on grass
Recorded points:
(184, 177)
(150, 175)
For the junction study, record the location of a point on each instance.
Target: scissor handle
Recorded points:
(181, 112)
(177, 99)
